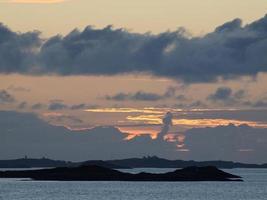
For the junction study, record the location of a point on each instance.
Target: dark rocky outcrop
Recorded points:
(97, 173)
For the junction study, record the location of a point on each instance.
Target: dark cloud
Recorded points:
(167, 122)
(142, 96)
(26, 134)
(184, 103)
(138, 96)
(229, 26)
(239, 94)
(145, 96)
(60, 105)
(57, 106)
(78, 106)
(227, 96)
(181, 97)
(221, 94)
(260, 103)
(5, 97)
(18, 51)
(118, 97)
(170, 92)
(38, 106)
(239, 143)
(22, 105)
(231, 51)
(197, 104)
(64, 119)
(254, 115)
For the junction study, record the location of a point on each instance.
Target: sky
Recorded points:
(199, 17)
(86, 64)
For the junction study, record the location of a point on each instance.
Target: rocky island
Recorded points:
(98, 173)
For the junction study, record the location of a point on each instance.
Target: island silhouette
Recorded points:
(98, 173)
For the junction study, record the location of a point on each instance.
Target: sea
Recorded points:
(254, 187)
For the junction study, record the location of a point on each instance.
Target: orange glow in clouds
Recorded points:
(133, 132)
(157, 119)
(125, 110)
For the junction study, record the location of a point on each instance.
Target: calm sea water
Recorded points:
(253, 187)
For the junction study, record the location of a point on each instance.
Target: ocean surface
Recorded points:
(253, 187)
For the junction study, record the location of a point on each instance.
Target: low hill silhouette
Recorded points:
(145, 162)
(97, 173)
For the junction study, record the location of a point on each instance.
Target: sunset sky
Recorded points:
(59, 16)
(88, 63)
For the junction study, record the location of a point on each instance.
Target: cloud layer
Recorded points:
(25, 134)
(227, 143)
(143, 96)
(226, 96)
(232, 50)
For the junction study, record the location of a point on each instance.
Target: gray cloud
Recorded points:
(232, 50)
(221, 94)
(22, 105)
(64, 119)
(145, 96)
(5, 97)
(190, 104)
(197, 104)
(38, 139)
(118, 97)
(227, 96)
(142, 96)
(259, 103)
(170, 92)
(240, 143)
(57, 106)
(181, 97)
(38, 106)
(78, 106)
(138, 96)
(83, 106)
(254, 115)
(18, 51)
(167, 122)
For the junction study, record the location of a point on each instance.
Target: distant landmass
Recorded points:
(49, 163)
(33, 163)
(145, 162)
(97, 173)
(156, 162)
